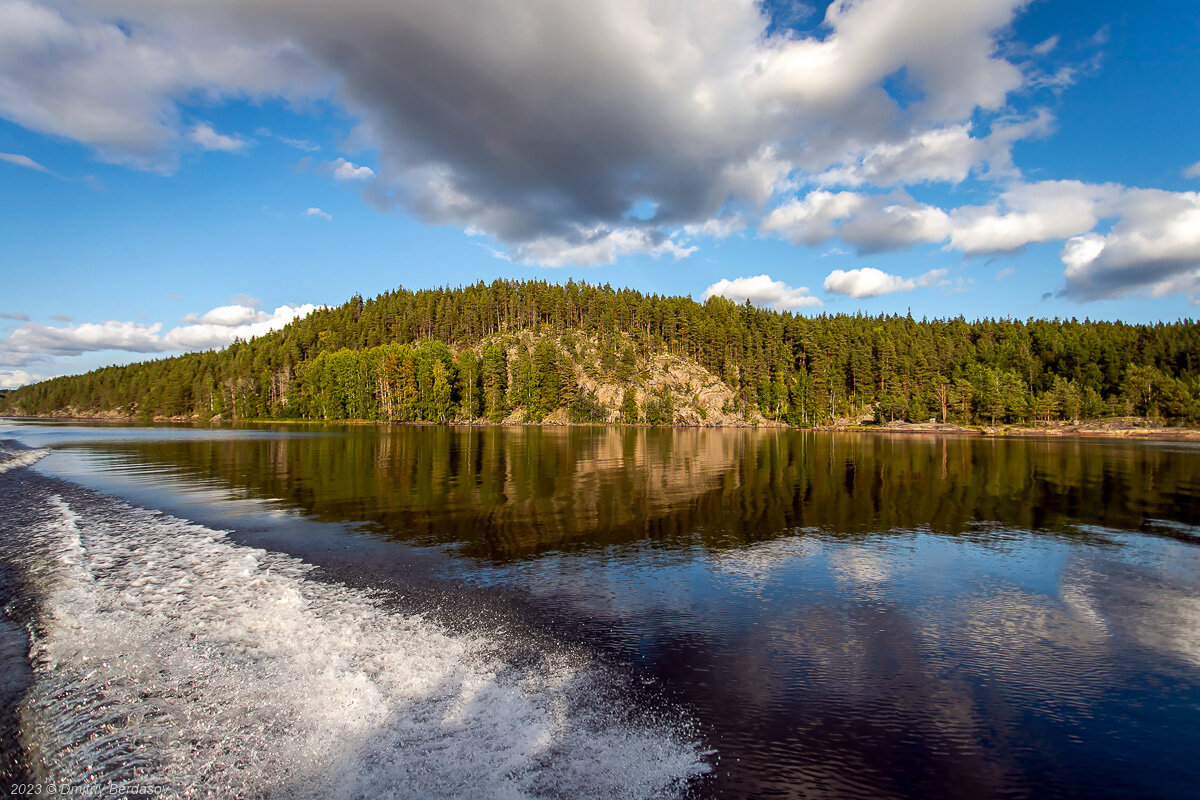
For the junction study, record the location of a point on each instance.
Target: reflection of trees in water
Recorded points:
(505, 492)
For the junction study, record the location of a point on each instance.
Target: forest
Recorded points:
(534, 350)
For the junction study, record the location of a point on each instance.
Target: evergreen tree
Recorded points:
(629, 408)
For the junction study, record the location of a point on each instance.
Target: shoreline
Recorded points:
(1108, 428)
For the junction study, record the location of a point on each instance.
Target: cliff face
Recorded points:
(666, 388)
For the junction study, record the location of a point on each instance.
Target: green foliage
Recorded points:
(390, 358)
(586, 407)
(469, 386)
(495, 382)
(629, 407)
(660, 410)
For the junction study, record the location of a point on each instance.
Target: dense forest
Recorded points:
(535, 350)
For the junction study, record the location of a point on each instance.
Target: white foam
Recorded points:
(11, 458)
(168, 655)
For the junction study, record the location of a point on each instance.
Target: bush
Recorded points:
(587, 408)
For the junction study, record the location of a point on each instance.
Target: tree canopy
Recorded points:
(487, 350)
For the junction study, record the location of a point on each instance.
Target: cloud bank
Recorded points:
(549, 125)
(32, 342)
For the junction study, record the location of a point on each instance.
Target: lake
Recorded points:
(359, 611)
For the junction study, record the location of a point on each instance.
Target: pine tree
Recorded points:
(629, 408)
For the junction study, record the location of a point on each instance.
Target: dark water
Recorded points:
(834, 615)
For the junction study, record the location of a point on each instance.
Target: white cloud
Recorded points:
(316, 212)
(893, 223)
(22, 161)
(12, 378)
(1032, 212)
(1193, 171)
(813, 219)
(1154, 248)
(763, 292)
(718, 227)
(948, 49)
(1045, 46)
(870, 223)
(344, 170)
(33, 342)
(300, 144)
(237, 314)
(218, 327)
(203, 136)
(73, 73)
(596, 246)
(17, 315)
(946, 154)
(872, 282)
(943, 154)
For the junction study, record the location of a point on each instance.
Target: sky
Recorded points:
(177, 174)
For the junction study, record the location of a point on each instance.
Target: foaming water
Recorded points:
(14, 455)
(165, 655)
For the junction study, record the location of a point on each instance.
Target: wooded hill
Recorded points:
(532, 351)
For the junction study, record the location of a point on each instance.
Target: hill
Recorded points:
(535, 351)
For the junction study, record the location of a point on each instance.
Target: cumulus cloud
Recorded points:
(871, 223)
(1151, 247)
(813, 219)
(718, 227)
(947, 154)
(872, 282)
(1191, 172)
(596, 246)
(1154, 248)
(203, 136)
(344, 170)
(23, 161)
(894, 222)
(71, 72)
(1028, 213)
(943, 154)
(535, 120)
(33, 342)
(548, 124)
(763, 292)
(316, 212)
(12, 378)
(236, 314)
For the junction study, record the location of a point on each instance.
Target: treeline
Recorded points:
(492, 350)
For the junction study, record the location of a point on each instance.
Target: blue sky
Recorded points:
(174, 175)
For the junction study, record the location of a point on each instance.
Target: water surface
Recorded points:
(823, 615)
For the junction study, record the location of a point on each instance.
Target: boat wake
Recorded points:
(169, 657)
(14, 455)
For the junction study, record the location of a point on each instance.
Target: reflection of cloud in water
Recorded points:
(860, 567)
(757, 564)
(1146, 593)
(1050, 659)
(1077, 598)
(831, 657)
